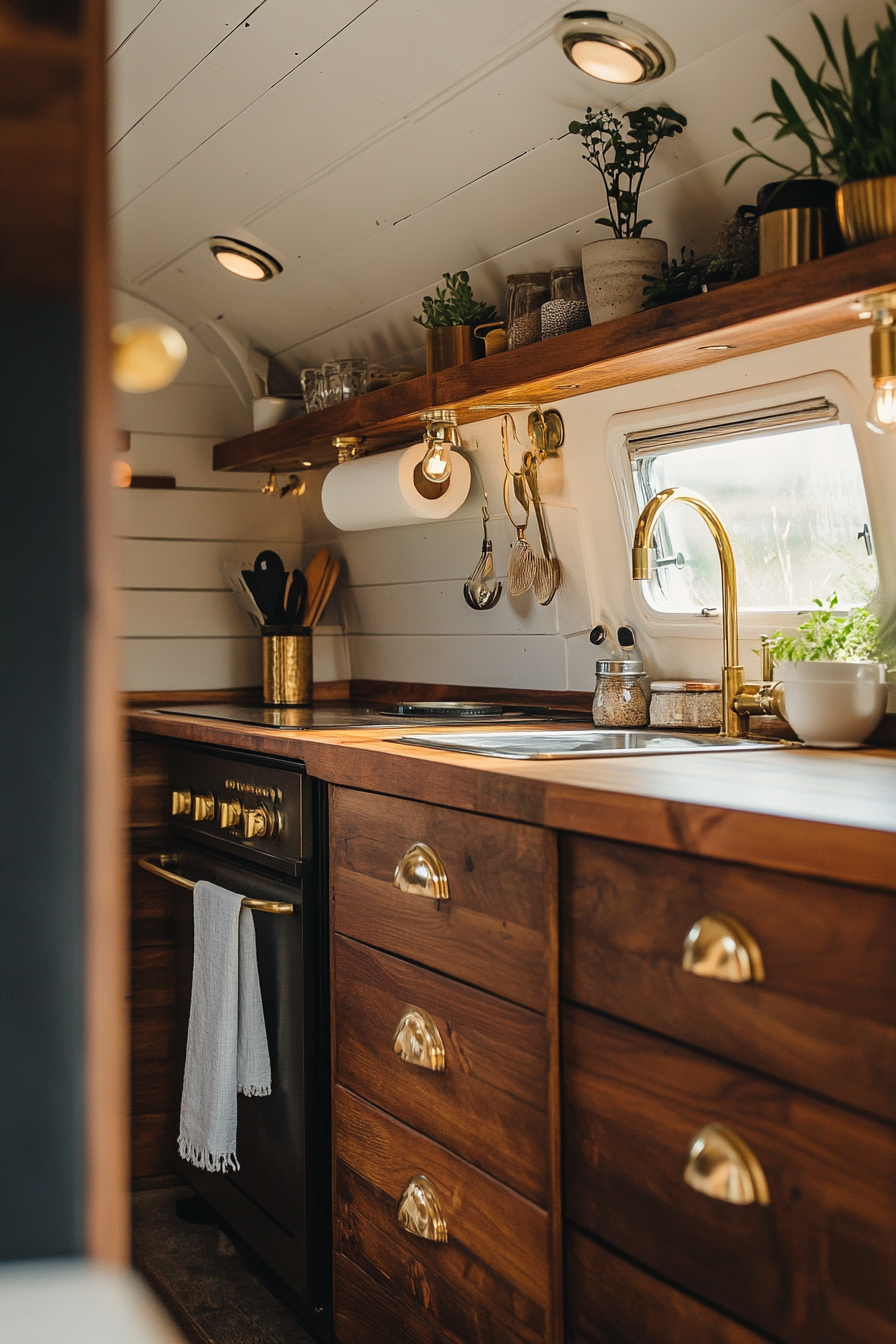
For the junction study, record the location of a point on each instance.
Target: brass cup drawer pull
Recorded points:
(419, 1211)
(718, 947)
(722, 1166)
(418, 1041)
(420, 872)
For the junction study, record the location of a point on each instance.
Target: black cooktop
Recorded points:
(299, 718)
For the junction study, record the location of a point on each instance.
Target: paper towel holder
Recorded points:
(347, 446)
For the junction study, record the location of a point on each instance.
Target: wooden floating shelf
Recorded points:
(816, 299)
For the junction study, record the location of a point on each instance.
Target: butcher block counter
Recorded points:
(613, 1040)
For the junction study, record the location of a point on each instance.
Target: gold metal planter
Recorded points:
(448, 346)
(867, 210)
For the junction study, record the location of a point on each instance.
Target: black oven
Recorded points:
(258, 827)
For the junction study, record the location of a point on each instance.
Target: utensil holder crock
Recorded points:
(286, 665)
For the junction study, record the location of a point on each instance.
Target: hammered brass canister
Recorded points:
(867, 210)
(286, 665)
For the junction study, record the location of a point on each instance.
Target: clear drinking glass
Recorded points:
(344, 378)
(313, 389)
(526, 292)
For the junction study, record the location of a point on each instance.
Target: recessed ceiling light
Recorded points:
(243, 259)
(612, 48)
(716, 347)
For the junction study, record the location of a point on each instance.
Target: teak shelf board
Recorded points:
(815, 299)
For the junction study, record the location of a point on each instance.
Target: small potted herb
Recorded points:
(848, 128)
(835, 684)
(614, 267)
(449, 319)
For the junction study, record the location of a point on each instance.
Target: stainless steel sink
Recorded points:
(526, 744)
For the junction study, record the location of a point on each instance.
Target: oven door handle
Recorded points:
(158, 869)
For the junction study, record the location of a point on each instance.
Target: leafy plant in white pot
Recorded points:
(835, 686)
(614, 268)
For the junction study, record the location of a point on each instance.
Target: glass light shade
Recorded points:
(244, 266)
(606, 61)
(436, 465)
(882, 411)
(146, 356)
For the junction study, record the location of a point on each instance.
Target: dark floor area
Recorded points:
(214, 1294)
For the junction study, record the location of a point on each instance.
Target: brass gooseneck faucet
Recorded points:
(739, 700)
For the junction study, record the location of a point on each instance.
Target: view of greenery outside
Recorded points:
(793, 504)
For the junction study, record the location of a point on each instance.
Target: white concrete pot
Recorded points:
(614, 269)
(834, 704)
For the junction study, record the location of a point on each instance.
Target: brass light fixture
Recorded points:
(613, 48)
(440, 437)
(882, 410)
(243, 259)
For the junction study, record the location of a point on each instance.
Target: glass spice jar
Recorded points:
(526, 292)
(619, 697)
(685, 704)
(567, 308)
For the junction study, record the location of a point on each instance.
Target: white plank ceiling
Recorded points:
(371, 145)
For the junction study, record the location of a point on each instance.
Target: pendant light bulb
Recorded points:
(882, 411)
(436, 465)
(146, 356)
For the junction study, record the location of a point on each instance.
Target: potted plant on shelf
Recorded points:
(835, 686)
(849, 131)
(449, 319)
(614, 267)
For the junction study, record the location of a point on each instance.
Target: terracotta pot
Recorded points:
(867, 210)
(448, 346)
(614, 271)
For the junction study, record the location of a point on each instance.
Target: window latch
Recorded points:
(677, 560)
(865, 535)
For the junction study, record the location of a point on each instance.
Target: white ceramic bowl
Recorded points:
(834, 704)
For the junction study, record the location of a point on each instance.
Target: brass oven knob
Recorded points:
(258, 822)
(181, 802)
(204, 807)
(229, 814)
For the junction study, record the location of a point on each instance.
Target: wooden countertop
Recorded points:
(823, 813)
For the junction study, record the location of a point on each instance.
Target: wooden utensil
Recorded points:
(323, 593)
(315, 573)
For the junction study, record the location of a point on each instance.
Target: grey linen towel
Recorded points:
(227, 1046)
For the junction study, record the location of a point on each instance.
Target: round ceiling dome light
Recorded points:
(243, 259)
(612, 48)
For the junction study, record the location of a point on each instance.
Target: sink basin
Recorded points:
(525, 744)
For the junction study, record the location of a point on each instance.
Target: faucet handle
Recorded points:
(768, 661)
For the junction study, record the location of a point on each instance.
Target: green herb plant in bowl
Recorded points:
(449, 318)
(847, 126)
(835, 684)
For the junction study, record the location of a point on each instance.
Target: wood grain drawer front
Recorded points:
(815, 1265)
(495, 930)
(488, 1103)
(488, 1281)
(611, 1301)
(824, 1016)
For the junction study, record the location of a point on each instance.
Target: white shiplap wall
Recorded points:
(182, 628)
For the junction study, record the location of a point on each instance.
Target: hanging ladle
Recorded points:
(482, 590)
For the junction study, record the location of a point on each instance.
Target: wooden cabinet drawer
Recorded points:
(824, 1017)
(495, 930)
(815, 1265)
(489, 1104)
(610, 1301)
(488, 1281)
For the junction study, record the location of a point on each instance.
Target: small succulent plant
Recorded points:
(454, 306)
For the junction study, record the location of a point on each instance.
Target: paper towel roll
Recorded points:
(379, 491)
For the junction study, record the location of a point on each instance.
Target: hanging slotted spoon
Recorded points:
(547, 566)
(482, 590)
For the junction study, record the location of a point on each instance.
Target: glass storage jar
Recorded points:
(620, 700)
(567, 308)
(526, 293)
(685, 704)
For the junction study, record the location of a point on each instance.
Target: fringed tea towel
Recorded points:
(227, 1046)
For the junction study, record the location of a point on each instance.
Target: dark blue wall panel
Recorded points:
(42, 601)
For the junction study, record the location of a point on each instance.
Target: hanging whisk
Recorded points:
(521, 566)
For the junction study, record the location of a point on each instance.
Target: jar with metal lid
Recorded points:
(526, 292)
(567, 308)
(685, 704)
(619, 697)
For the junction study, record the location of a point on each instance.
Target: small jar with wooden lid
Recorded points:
(685, 704)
